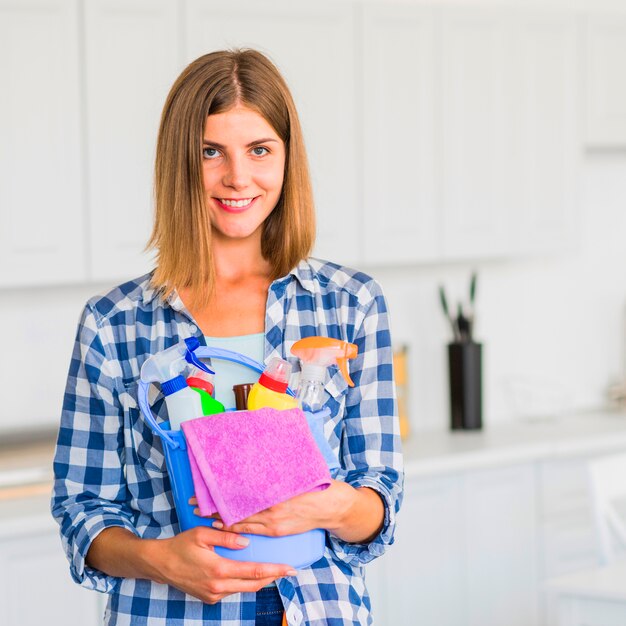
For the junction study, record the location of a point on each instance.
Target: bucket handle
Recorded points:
(203, 352)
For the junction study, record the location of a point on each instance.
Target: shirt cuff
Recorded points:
(358, 554)
(83, 537)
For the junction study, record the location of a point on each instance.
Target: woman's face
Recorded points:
(243, 163)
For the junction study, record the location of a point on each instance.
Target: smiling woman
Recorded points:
(234, 227)
(207, 102)
(243, 171)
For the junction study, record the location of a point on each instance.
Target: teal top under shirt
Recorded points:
(227, 373)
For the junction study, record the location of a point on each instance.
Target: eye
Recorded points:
(209, 153)
(260, 151)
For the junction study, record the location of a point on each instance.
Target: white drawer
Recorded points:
(563, 487)
(568, 545)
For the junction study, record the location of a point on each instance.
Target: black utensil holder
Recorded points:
(465, 371)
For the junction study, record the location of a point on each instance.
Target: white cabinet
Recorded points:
(426, 572)
(132, 58)
(433, 132)
(42, 238)
(510, 142)
(604, 85)
(314, 47)
(566, 538)
(592, 597)
(469, 132)
(35, 583)
(500, 526)
(566, 523)
(421, 580)
(475, 116)
(465, 553)
(400, 134)
(544, 195)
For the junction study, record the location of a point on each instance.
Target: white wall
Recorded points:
(553, 329)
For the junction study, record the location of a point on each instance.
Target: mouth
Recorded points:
(235, 205)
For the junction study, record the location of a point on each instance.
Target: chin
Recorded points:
(236, 234)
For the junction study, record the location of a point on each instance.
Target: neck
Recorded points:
(236, 259)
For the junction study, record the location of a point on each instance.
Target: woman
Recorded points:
(233, 230)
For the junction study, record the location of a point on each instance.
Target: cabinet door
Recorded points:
(510, 147)
(500, 530)
(604, 85)
(35, 583)
(131, 61)
(543, 193)
(475, 114)
(425, 581)
(400, 104)
(313, 47)
(42, 238)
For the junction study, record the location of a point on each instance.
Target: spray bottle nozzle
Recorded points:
(325, 351)
(171, 363)
(193, 344)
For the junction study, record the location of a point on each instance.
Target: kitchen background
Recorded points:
(444, 137)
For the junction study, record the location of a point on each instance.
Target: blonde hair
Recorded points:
(181, 233)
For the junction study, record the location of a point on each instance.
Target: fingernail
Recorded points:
(196, 511)
(292, 572)
(217, 524)
(242, 541)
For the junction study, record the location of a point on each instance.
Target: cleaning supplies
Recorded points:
(210, 406)
(299, 551)
(167, 368)
(242, 391)
(271, 388)
(316, 354)
(202, 383)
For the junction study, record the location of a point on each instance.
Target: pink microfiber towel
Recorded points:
(245, 461)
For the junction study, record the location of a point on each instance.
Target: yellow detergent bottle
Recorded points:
(271, 389)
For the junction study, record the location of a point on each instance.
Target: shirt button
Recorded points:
(193, 328)
(294, 617)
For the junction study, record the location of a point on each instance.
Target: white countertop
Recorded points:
(440, 452)
(26, 463)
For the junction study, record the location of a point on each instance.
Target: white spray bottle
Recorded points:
(167, 368)
(316, 354)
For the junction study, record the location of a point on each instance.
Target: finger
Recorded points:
(253, 585)
(216, 524)
(210, 537)
(193, 500)
(247, 570)
(245, 585)
(250, 529)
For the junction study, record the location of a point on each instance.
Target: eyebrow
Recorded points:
(206, 142)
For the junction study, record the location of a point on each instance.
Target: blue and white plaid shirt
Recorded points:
(110, 469)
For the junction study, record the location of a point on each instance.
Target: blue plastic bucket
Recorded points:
(299, 550)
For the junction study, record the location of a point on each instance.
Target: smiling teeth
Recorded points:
(237, 203)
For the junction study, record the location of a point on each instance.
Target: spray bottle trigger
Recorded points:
(193, 344)
(343, 368)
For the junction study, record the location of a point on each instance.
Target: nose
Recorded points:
(236, 174)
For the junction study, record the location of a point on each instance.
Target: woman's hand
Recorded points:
(189, 562)
(315, 509)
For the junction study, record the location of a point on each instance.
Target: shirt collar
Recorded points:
(302, 272)
(150, 293)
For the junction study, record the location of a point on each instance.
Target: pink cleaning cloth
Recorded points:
(243, 462)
